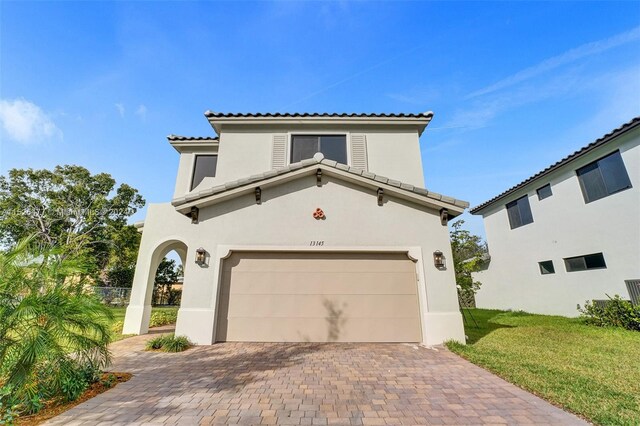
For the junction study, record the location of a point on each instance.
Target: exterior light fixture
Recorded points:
(258, 192)
(201, 256)
(439, 260)
(319, 177)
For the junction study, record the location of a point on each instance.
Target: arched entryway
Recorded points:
(140, 304)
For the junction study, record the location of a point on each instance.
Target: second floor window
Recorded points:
(205, 166)
(603, 177)
(334, 147)
(519, 212)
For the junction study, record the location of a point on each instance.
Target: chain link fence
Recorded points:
(113, 296)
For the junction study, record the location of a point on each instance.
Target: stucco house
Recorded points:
(304, 227)
(568, 234)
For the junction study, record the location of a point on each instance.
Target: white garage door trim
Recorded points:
(413, 253)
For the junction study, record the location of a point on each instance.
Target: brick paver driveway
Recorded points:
(308, 384)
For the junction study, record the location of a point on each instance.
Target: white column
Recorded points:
(136, 320)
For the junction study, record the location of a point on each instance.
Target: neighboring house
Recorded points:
(568, 234)
(288, 230)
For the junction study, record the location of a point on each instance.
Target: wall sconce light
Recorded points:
(258, 193)
(319, 177)
(201, 256)
(439, 260)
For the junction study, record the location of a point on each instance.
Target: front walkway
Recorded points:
(308, 384)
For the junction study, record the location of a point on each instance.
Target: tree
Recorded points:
(468, 256)
(71, 209)
(166, 275)
(121, 265)
(53, 334)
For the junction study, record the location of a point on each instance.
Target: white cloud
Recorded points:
(26, 123)
(567, 57)
(120, 108)
(142, 112)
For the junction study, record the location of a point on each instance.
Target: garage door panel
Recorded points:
(320, 262)
(323, 283)
(322, 330)
(366, 297)
(309, 306)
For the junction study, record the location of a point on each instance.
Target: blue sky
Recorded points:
(514, 86)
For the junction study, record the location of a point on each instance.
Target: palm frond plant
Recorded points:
(54, 334)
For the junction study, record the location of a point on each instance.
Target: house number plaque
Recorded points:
(316, 243)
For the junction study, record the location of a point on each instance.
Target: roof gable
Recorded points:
(230, 190)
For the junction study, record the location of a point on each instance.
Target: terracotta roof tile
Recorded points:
(310, 163)
(211, 114)
(192, 138)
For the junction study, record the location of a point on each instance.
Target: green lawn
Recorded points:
(118, 316)
(591, 371)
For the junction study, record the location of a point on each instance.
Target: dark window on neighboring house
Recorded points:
(546, 267)
(205, 166)
(519, 212)
(544, 192)
(334, 147)
(582, 263)
(603, 177)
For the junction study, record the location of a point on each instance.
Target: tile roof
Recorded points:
(192, 138)
(313, 162)
(211, 114)
(634, 123)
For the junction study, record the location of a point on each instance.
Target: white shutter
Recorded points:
(279, 153)
(359, 151)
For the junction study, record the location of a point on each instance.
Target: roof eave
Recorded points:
(613, 135)
(420, 122)
(181, 145)
(454, 207)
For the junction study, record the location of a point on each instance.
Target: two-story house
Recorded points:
(568, 234)
(304, 227)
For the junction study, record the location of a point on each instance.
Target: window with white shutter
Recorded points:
(279, 153)
(359, 151)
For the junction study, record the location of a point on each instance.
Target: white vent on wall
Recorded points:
(279, 153)
(359, 151)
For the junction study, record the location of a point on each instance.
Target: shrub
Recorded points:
(616, 312)
(53, 334)
(109, 381)
(116, 327)
(163, 317)
(176, 344)
(157, 342)
(169, 343)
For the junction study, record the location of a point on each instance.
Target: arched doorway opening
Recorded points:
(168, 282)
(139, 310)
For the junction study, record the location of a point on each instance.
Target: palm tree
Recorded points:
(51, 329)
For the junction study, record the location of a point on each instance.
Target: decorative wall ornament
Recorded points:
(380, 196)
(193, 214)
(444, 217)
(318, 214)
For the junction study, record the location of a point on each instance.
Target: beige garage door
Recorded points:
(318, 297)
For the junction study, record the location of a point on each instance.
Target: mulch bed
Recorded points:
(56, 407)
